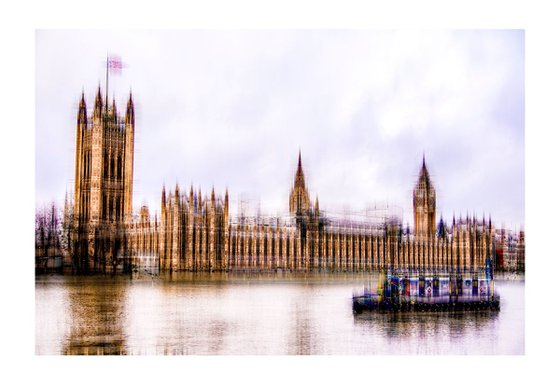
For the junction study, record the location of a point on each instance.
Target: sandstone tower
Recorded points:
(102, 184)
(424, 203)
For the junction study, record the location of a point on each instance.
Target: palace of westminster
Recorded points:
(196, 233)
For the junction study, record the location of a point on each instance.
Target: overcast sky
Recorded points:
(232, 109)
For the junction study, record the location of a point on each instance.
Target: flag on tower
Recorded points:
(114, 64)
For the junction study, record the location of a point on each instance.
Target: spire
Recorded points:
(299, 197)
(424, 181)
(212, 196)
(130, 110)
(317, 204)
(299, 179)
(424, 171)
(83, 99)
(163, 196)
(98, 107)
(82, 110)
(441, 227)
(113, 111)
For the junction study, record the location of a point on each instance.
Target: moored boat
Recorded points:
(428, 292)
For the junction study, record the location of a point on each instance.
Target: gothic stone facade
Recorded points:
(195, 233)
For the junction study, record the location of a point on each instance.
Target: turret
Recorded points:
(442, 231)
(129, 119)
(226, 205)
(128, 157)
(98, 106)
(82, 111)
(81, 125)
(112, 111)
(453, 219)
(163, 201)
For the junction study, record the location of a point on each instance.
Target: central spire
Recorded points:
(299, 197)
(299, 178)
(424, 179)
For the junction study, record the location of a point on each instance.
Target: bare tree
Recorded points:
(67, 226)
(47, 231)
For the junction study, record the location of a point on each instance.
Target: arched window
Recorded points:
(119, 167)
(88, 163)
(112, 167)
(105, 164)
(118, 209)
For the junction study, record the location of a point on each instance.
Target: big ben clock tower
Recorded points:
(424, 203)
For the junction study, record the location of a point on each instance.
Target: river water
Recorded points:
(256, 314)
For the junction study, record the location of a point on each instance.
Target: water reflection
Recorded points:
(302, 336)
(176, 314)
(423, 325)
(210, 314)
(95, 306)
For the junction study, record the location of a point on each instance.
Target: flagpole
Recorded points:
(107, 87)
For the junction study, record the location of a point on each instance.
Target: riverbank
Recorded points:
(509, 276)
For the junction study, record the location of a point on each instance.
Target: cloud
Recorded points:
(232, 109)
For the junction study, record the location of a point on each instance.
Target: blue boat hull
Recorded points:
(370, 302)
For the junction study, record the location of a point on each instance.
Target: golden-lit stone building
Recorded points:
(102, 184)
(313, 241)
(196, 233)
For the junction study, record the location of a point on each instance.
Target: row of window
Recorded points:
(112, 168)
(111, 208)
